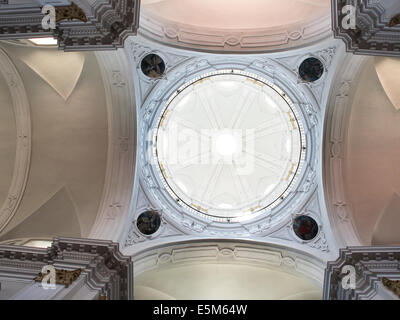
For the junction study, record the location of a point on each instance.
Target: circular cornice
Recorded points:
(269, 102)
(23, 148)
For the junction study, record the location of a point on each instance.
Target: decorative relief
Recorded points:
(186, 69)
(259, 255)
(395, 21)
(23, 149)
(372, 265)
(106, 26)
(104, 268)
(392, 285)
(311, 112)
(124, 143)
(234, 41)
(373, 35)
(321, 243)
(113, 211)
(337, 113)
(118, 184)
(311, 210)
(327, 55)
(63, 277)
(69, 13)
(118, 79)
(309, 182)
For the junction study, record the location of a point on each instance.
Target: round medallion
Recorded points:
(229, 145)
(306, 228)
(148, 222)
(153, 66)
(311, 70)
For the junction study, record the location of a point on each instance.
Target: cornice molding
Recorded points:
(334, 150)
(371, 265)
(373, 35)
(246, 41)
(108, 24)
(23, 146)
(226, 251)
(103, 267)
(121, 156)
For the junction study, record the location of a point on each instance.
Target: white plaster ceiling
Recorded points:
(8, 139)
(69, 143)
(236, 14)
(235, 25)
(388, 70)
(60, 70)
(373, 155)
(224, 281)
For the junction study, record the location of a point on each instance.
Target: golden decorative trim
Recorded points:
(259, 83)
(290, 171)
(254, 208)
(395, 21)
(65, 277)
(163, 170)
(392, 285)
(69, 13)
(163, 118)
(292, 121)
(199, 208)
(201, 81)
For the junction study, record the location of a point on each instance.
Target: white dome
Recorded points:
(228, 145)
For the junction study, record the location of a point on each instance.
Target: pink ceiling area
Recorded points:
(372, 165)
(236, 14)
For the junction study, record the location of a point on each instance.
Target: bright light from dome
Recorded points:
(49, 41)
(236, 139)
(226, 144)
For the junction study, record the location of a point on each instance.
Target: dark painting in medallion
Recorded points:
(306, 228)
(148, 222)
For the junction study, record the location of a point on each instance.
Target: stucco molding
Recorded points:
(181, 67)
(108, 24)
(23, 145)
(227, 251)
(373, 34)
(370, 264)
(334, 150)
(249, 40)
(104, 268)
(121, 155)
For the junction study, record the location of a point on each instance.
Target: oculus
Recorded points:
(311, 70)
(229, 145)
(305, 227)
(153, 66)
(148, 222)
